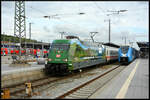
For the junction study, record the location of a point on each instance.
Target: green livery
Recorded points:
(67, 55)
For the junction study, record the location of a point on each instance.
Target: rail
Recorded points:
(83, 85)
(19, 90)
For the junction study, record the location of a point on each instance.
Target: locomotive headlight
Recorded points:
(124, 55)
(49, 59)
(58, 51)
(65, 60)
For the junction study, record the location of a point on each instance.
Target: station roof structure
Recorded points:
(72, 37)
(112, 45)
(36, 45)
(144, 49)
(143, 44)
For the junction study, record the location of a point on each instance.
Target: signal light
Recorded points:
(65, 60)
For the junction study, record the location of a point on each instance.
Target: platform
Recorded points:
(6, 65)
(17, 75)
(132, 82)
(12, 74)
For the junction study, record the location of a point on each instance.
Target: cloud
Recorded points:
(132, 22)
(46, 29)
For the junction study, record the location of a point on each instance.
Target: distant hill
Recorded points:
(15, 39)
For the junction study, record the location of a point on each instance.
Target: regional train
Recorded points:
(127, 54)
(67, 55)
(9, 51)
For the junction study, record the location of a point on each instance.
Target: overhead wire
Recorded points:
(57, 15)
(38, 10)
(99, 7)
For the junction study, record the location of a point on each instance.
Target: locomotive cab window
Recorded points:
(60, 46)
(124, 49)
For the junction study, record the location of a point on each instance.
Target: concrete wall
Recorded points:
(6, 59)
(21, 76)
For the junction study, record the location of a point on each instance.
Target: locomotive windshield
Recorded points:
(124, 49)
(59, 46)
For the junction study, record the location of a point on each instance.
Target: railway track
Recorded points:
(85, 90)
(18, 91)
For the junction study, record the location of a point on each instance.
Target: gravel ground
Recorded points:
(55, 89)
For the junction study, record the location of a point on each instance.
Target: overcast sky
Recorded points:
(133, 24)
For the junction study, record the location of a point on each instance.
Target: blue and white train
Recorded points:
(127, 54)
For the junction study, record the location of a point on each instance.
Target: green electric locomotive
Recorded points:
(66, 55)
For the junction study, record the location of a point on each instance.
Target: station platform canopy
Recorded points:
(112, 45)
(36, 45)
(143, 44)
(72, 37)
(144, 49)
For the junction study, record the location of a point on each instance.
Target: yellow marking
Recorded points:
(124, 88)
(5, 94)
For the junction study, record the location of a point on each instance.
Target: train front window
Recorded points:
(60, 46)
(124, 49)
